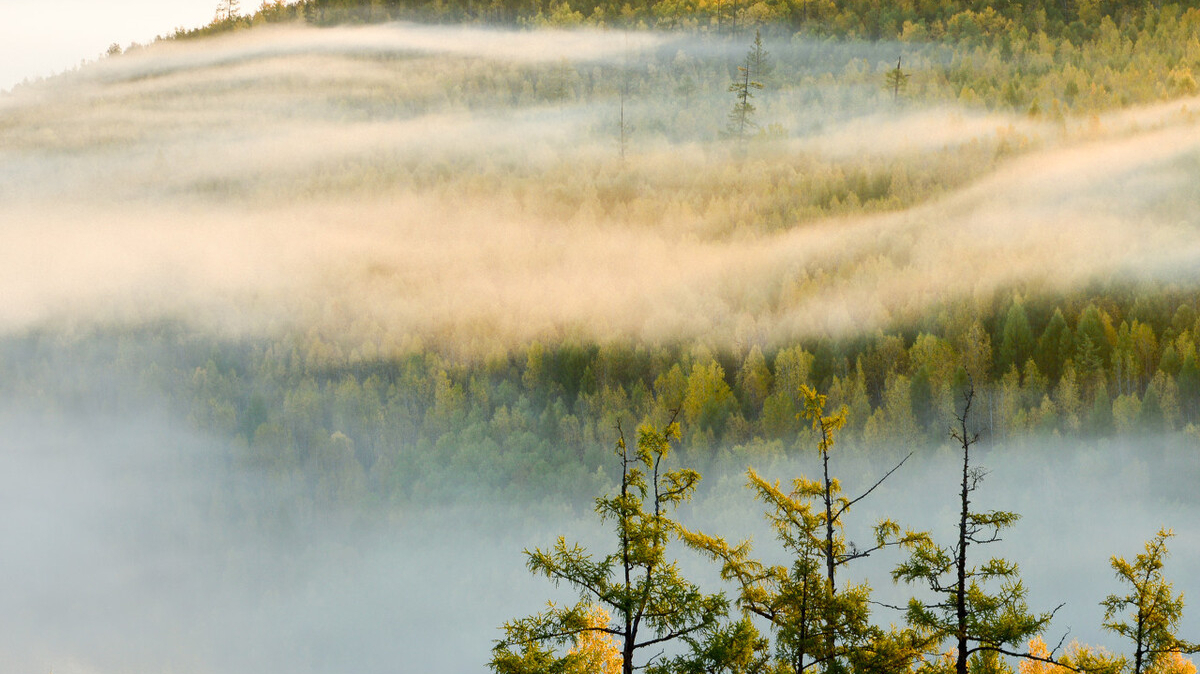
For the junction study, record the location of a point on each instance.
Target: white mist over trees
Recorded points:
(307, 332)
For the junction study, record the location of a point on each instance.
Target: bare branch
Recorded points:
(1024, 656)
(846, 507)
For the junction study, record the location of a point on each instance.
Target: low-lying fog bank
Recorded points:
(131, 546)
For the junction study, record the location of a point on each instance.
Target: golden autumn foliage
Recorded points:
(599, 650)
(1173, 663)
(1038, 648)
(1090, 659)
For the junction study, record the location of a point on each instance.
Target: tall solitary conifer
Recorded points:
(651, 604)
(741, 118)
(974, 619)
(1149, 615)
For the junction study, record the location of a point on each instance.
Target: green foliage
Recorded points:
(641, 588)
(741, 118)
(978, 621)
(708, 402)
(737, 648)
(897, 80)
(816, 623)
(1149, 614)
(1016, 343)
(1055, 346)
(420, 426)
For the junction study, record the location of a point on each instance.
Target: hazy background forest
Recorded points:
(288, 297)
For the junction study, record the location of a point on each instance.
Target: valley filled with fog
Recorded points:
(308, 333)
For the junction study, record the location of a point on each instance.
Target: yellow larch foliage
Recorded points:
(599, 648)
(1173, 663)
(1038, 648)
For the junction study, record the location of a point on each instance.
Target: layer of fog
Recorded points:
(131, 545)
(259, 182)
(395, 39)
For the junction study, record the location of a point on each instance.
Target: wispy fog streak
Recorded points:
(294, 180)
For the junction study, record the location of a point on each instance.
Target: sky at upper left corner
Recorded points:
(39, 38)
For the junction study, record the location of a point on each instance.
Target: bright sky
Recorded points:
(42, 37)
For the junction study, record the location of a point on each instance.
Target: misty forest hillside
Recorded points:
(367, 262)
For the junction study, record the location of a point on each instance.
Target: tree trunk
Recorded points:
(830, 562)
(960, 587)
(627, 654)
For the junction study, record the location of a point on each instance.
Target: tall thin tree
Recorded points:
(897, 80)
(965, 612)
(227, 10)
(817, 625)
(1149, 615)
(741, 118)
(651, 604)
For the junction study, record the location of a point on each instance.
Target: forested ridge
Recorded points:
(1076, 21)
(541, 419)
(388, 261)
(1044, 58)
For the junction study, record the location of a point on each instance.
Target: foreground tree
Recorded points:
(597, 650)
(651, 604)
(816, 624)
(1077, 658)
(1149, 615)
(977, 621)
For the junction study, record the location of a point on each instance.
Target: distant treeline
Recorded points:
(1077, 20)
(1041, 58)
(419, 425)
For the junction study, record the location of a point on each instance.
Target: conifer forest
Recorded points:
(598, 337)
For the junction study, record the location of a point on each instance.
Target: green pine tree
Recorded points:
(651, 604)
(817, 624)
(1149, 615)
(976, 620)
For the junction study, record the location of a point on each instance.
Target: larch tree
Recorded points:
(897, 80)
(650, 603)
(1077, 658)
(1016, 337)
(835, 550)
(597, 649)
(1149, 614)
(1055, 346)
(816, 624)
(227, 10)
(741, 118)
(974, 619)
(622, 123)
(794, 598)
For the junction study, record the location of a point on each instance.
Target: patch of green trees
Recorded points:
(419, 425)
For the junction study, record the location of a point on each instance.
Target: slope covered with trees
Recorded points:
(539, 419)
(396, 277)
(1044, 58)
